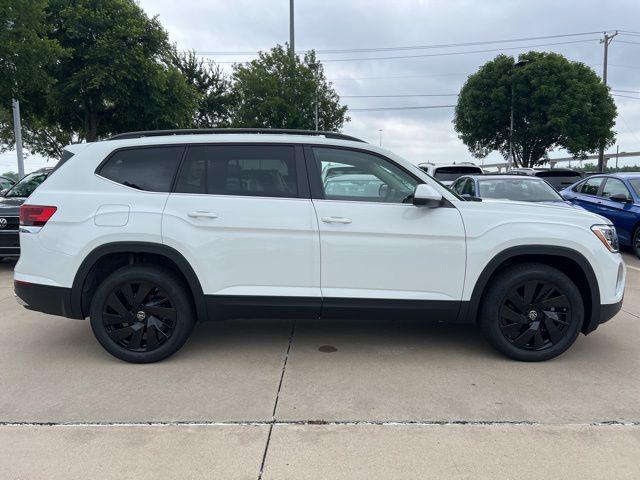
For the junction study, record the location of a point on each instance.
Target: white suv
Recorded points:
(148, 233)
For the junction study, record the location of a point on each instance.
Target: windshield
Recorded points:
(518, 189)
(635, 183)
(449, 174)
(27, 185)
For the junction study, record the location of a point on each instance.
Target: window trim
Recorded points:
(315, 179)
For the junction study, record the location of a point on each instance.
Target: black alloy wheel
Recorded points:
(142, 313)
(535, 315)
(636, 242)
(139, 316)
(531, 312)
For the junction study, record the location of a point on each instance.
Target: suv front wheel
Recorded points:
(142, 313)
(532, 312)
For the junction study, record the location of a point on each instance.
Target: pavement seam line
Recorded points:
(275, 403)
(631, 313)
(264, 423)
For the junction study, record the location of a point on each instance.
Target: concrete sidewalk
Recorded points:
(261, 399)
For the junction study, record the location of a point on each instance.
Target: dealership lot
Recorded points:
(305, 399)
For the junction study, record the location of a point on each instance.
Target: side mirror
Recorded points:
(426, 196)
(619, 197)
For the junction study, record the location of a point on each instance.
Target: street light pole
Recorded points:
(519, 64)
(606, 41)
(380, 132)
(17, 131)
(292, 37)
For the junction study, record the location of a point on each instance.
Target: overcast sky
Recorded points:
(420, 134)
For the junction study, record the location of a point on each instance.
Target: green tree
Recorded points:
(214, 96)
(118, 76)
(557, 104)
(278, 91)
(26, 56)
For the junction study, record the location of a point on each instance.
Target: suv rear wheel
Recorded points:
(532, 312)
(141, 313)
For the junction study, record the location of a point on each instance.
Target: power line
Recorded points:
(629, 43)
(392, 77)
(399, 108)
(446, 54)
(413, 47)
(625, 96)
(625, 91)
(402, 95)
(443, 54)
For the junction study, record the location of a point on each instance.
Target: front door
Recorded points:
(379, 252)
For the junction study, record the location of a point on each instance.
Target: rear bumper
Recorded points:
(44, 298)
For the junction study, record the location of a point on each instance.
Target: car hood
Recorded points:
(10, 207)
(514, 212)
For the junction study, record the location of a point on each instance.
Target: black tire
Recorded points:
(532, 312)
(142, 313)
(635, 241)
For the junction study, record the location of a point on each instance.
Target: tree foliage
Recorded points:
(27, 54)
(280, 91)
(214, 95)
(557, 104)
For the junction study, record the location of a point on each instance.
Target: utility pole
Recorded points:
(17, 131)
(380, 132)
(292, 39)
(519, 64)
(606, 41)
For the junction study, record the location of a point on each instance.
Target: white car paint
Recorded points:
(282, 247)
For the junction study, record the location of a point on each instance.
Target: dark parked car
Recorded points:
(558, 178)
(615, 196)
(5, 184)
(10, 211)
(507, 187)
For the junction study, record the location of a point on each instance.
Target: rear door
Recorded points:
(242, 216)
(587, 194)
(379, 251)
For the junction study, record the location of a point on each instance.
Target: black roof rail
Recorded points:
(212, 131)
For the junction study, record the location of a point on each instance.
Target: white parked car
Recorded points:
(447, 174)
(148, 233)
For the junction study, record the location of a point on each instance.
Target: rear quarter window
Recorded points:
(149, 168)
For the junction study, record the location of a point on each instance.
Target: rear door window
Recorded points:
(591, 186)
(151, 169)
(247, 170)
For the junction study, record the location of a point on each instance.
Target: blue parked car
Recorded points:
(615, 196)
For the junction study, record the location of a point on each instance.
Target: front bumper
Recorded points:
(609, 310)
(9, 243)
(44, 298)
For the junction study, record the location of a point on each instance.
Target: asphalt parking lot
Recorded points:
(304, 399)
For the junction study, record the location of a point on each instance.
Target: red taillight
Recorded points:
(35, 215)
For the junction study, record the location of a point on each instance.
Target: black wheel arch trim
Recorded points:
(470, 310)
(172, 254)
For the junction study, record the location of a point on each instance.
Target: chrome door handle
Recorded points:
(200, 214)
(336, 220)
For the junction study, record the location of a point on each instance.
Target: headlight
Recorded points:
(607, 235)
